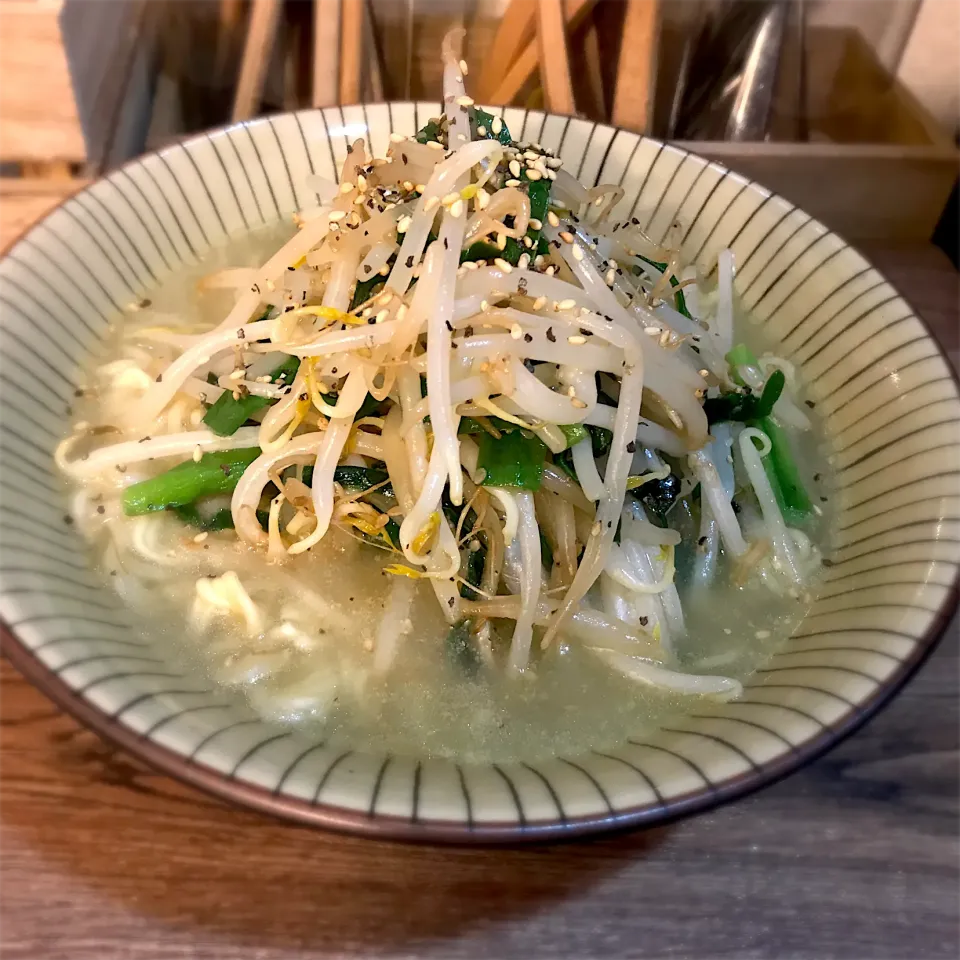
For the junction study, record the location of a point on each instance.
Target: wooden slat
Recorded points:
(633, 97)
(264, 18)
(351, 50)
(515, 32)
(554, 60)
(24, 201)
(526, 64)
(326, 52)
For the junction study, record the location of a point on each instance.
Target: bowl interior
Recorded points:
(889, 405)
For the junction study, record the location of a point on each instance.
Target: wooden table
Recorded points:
(854, 856)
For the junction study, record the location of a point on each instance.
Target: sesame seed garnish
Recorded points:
(577, 253)
(516, 331)
(539, 303)
(197, 453)
(610, 277)
(523, 261)
(578, 403)
(337, 215)
(450, 198)
(497, 125)
(566, 304)
(503, 265)
(534, 174)
(435, 144)
(403, 224)
(430, 204)
(566, 237)
(596, 528)
(465, 101)
(456, 208)
(553, 219)
(463, 67)
(382, 315)
(482, 131)
(536, 224)
(762, 634)
(651, 330)
(514, 168)
(513, 182)
(346, 186)
(200, 537)
(484, 306)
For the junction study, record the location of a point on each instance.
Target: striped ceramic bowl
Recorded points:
(887, 396)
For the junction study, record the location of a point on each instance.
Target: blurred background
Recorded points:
(850, 108)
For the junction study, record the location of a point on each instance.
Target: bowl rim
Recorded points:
(462, 832)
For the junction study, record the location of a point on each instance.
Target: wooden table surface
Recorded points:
(854, 856)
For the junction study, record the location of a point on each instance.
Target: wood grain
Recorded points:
(633, 98)
(854, 856)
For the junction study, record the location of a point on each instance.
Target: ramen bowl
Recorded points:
(890, 416)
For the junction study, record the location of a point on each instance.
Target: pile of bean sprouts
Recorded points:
(580, 330)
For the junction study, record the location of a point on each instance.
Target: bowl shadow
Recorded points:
(184, 860)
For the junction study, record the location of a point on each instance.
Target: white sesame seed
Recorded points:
(401, 311)
(539, 303)
(534, 174)
(197, 453)
(496, 126)
(337, 215)
(502, 241)
(403, 224)
(595, 529)
(430, 204)
(200, 537)
(577, 253)
(237, 374)
(482, 131)
(503, 265)
(346, 186)
(465, 101)
(554, 162)
(456, 208)
(516, 331)
(484, 306)
(576, 339)
(514, 168)
(651, 330)
(598, 202)
(762, 634)
(483, 198)
(450, 198)
(463, 67)
(553, 219)
(528, 243)
(551, 175)
(578, 403)
(434, 144)
(382, 315)
(523, 261)
(704, 372)
(536, 224)
(727, 631)
(550, 271)
(567, 304)
(384, 270)
(566, 236)
(610, 277)
(513, 182)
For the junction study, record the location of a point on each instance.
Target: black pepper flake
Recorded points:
(367, 268)
(585, 333)
(644, 621)
(632, 446)
(551, 336)
(371, 319)
(635, 221)
(446, 244)
(528, 338)
(701, 541)
(101, 509)
(410, 262)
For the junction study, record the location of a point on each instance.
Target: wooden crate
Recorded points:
(877, 166)
(76, 80)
